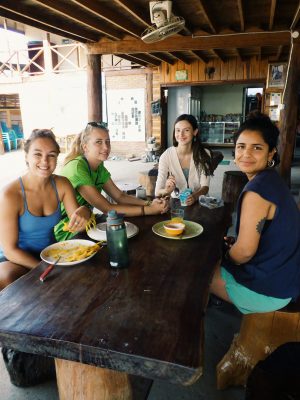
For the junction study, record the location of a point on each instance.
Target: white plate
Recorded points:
(66, 245)
(99, 232)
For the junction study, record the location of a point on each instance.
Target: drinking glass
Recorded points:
(177, 215)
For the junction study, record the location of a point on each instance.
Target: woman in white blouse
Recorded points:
(187, 164)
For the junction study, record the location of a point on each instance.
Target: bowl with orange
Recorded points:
(174, 228)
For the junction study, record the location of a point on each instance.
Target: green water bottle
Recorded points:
(117, 243)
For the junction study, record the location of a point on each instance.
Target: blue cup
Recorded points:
(184, 195)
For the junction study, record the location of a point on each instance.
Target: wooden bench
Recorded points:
(276, 377)
(260, 334)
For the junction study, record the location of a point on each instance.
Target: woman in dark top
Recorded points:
(261, 269)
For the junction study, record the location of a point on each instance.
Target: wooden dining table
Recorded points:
(101, 324)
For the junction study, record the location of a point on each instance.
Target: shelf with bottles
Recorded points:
(218, 133)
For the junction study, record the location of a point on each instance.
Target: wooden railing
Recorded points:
(35, 60)
(52, 58)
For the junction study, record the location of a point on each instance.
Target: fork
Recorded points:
(176, 189)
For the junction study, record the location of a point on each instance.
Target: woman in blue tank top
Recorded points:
(30, 208)
(260, 271)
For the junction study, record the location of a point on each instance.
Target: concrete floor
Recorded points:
(220, 324)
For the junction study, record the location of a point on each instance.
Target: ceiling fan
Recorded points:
(165, 24)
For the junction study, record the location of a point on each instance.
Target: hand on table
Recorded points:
(161, 204)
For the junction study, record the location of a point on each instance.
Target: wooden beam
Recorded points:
(81, 19)
(76, 34)
(200, 56)
(296, 18)
(181, 43)
(163, 57)
(110, 16)
(94, 87)
(134, 11)
(259, 52)
(148, 58)
(218, 54)
(272, 14)
(241, 14)
(279, 51)
(239, 54)
(207, 16)
(187, 30)
(133, 59)
(181, 57)
(289, 114)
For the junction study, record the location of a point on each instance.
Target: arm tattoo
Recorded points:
(260, 225)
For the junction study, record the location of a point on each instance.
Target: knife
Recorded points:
(48, 270)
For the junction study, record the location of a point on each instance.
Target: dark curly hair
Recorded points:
(41, 134)
(256, 121)
(201, 158)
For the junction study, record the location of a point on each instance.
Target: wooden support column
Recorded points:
(149, 98)
(94, 87)
(289, 113)
(78, 381)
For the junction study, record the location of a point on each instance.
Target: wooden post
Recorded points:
(48, 65)
(289, 113)
(149, 98)
(94, 87)
(78, 381)
(232, 186)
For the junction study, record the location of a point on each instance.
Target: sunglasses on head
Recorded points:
(102, 125)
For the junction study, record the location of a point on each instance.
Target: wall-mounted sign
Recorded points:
(181, 75)
(126, 114)
(276, 75)
(155, 107)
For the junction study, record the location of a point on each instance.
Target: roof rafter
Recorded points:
(134, 11)
(148, 58)
(110, 16)
(272, 14)
(296, 18)
(181, 57)
(60, 8)
(133, 59)
(241, 14)
(239, 54)
(64, 30)
(207, 16)
(200, 56)
(278, 54)
(163, 57)
(218, 54)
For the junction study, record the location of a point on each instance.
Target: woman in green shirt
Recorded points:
(83, 166)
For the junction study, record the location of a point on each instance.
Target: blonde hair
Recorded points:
(81, 139)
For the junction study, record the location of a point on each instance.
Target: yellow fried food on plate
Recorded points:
(71, 254)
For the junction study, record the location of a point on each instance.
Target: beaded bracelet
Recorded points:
(148, 203)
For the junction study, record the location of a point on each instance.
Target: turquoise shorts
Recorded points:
(248, 301)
